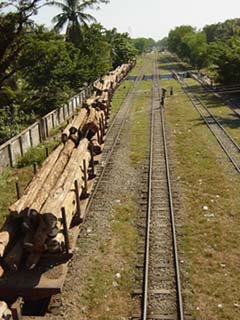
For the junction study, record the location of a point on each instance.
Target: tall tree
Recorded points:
(75, 17)
(122, 48)
(13, 26)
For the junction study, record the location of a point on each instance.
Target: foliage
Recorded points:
(163, 43)
(122, 49)
(223, 30)
(39, 70)
(175, 43)
(47, 67)
(225, 56)
(37, 154)
(73, 14)
(96, 52)
(143, 44)
(13, 27)
(196, 49)
(217, 47)
(189, 44)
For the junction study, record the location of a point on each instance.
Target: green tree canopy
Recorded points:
(122, 48)
(73, 14)
(143, 44)
(225, 56)
(222, 30)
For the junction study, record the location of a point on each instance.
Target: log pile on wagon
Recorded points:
(5, 312)
(36, 222)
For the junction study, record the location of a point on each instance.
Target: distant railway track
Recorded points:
(161, 296)
(221, 92)
(227, 143)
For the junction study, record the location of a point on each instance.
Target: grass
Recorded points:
(110, 280)
(8, 189)
(147, 60)
(139, 138)
(220, 110)
(210, 239)
(120, 95)
(37, 154)
(139, 64)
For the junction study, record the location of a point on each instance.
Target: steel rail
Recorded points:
(235, 164)
(215, 119)
(180, 311)
(218, 94)
(172, 216)
(148, 221)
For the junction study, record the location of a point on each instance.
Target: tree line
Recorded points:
(216, 46)
(41, 68)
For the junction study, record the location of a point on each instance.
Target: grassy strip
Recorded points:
(110, 281)
(147, 60)
(120, 95)
(126, 85)
(211, 216)
(139, 64)
(140, 124)
(167, 62)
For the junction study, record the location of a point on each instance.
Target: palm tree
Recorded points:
(74, 16)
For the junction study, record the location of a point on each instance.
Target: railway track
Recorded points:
(227, 143)
(161, 296)
(221, 92)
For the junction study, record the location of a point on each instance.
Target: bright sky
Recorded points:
(155, 18)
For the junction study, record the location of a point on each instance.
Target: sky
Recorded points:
(155, 18)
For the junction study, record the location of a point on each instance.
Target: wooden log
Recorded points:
(32, 260)
(97, 149)
(65, 185)
(7, 315)
(62, 195)
(70, 203)
(90, 102)
(1, 271)
(36, 183)
(14, 256)
(3, 307)
(37, 202)
(47, 225)
(7, 233)
(66, 133)
(72, 130)
(80, 119)
(91, 123)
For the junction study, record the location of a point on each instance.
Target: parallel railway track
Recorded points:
(161, 290)
(227, 143)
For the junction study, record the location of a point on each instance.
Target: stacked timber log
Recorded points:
(5, 312)
(38, 221)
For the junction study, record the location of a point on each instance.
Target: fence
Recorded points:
(17, 146)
